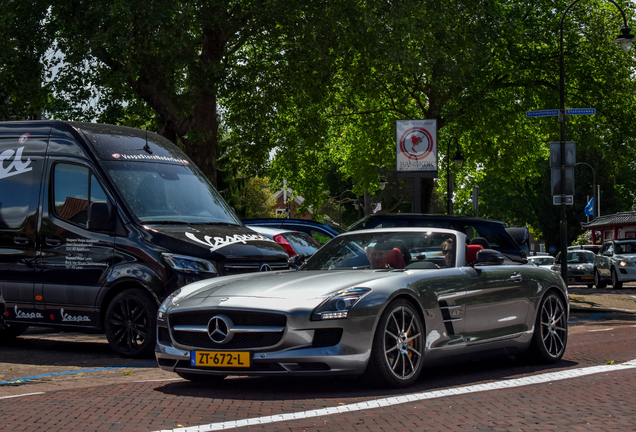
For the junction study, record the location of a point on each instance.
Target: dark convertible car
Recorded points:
(382, 303)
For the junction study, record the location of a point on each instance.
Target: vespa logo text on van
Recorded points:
(17, 166)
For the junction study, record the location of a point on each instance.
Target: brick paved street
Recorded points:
(111, 393)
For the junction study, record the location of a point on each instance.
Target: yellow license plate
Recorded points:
(240, 359)
(587, 277)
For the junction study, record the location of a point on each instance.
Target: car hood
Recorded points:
(215, 242)
(629, 257)
(271, 290)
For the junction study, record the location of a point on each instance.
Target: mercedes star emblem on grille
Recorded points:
(265, 267)
(219, 329)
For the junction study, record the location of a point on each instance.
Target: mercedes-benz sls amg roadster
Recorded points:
(381, 303)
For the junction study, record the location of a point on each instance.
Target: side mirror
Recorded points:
(607, 253)
(101, 217)
(489, 256)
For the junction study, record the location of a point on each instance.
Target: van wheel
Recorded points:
(12, 331)
(131, 324)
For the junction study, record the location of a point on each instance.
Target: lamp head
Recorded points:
(625, 39)
(458, 159)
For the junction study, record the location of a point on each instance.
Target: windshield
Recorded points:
(386, 250)
(581, 257)
(628, 247)
(166, 193)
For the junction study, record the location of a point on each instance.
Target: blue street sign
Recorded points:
(552, 249)
(542, 113)
(580, 111)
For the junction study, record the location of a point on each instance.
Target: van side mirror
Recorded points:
(101, 217)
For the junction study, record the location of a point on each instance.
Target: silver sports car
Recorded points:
(381, 303)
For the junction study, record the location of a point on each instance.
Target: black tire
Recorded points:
(131, 324)
(600, 284)
(616, 284)
(201, 378)
(11, 330)
(550, 336)
(398, 347)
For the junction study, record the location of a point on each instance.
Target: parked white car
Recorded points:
(616, 262)
(542, 261)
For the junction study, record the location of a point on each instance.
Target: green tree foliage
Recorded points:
(23, 59)
(255, 198)
(309, 91)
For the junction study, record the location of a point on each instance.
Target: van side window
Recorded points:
(75, 188)
(20, 172)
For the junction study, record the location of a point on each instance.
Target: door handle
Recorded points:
(516, 277)
(53, 241)
(21, 240)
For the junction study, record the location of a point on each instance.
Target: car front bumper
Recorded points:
(626, 274)
(305, 348)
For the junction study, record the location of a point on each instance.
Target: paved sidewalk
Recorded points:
(583, 299)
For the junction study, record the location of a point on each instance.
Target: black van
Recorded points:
(100, 223)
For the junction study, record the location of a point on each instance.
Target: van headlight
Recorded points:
(338, 305)
(189, 264)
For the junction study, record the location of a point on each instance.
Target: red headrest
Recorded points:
(395, 258)
(471, 254)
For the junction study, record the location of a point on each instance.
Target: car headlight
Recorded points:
(189, 264)
(626, 264)
(167, 302)
(338, 305)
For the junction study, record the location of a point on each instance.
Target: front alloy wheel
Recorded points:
(131, 324)
(398, 346)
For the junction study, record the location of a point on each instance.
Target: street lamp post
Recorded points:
(593, 187)
(625, 39)
(459, 161)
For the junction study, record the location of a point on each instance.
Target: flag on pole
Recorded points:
(589, 208)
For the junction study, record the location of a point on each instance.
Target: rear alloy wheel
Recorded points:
(616, 284)
(550, 330)
(600, 284)
(398, 346)
(131, 324)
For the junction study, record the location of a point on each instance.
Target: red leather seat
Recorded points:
(471, 253)
(395, 259)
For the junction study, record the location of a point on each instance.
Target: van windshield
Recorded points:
(167, 193)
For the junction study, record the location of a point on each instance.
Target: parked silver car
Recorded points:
(616, 262)
(580, 267)
(381, 303)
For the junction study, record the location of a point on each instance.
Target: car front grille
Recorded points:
(252, 329)
(239, 318)
(232, 267)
